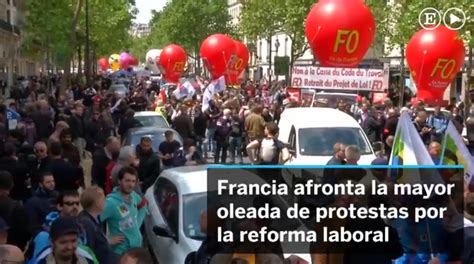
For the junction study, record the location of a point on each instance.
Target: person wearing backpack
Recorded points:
(269, 150)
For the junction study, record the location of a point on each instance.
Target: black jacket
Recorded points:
(99, 162)
(20, 174)
(95, 237)
(77, 126)
(184, 126)
(39, 206)
(149, 168)
(66, 175)
(15, 215)
(372, 128)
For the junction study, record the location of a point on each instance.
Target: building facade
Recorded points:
(12, 63)
(140, 30)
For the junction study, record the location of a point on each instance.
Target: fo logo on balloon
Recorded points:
(434, 56)
(340, 32)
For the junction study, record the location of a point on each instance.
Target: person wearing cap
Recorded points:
(65, 248)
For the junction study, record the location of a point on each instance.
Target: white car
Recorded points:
(175, 203)
(312, 132)
(151, 119)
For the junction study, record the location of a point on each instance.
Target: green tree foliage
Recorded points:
(265, 18)
(189, 22)
(110, 22)
(57, 27)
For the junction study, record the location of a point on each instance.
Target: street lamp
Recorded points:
(277, 46)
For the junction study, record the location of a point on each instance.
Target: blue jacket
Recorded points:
(440, 123)
(39, 206)
(124, 218)
(41, 241)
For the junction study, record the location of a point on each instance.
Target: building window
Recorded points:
(14, 2)
(8, 2)
(9, 18)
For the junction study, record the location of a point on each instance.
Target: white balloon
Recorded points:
(152, 56)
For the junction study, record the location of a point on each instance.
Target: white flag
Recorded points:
(184, 90)
(408, 149)
(455, 152)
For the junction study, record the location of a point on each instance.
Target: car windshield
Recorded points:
(320, 141)
(154, 121)
(193, 205)
(156, 139)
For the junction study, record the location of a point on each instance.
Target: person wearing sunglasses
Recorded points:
(68, 205)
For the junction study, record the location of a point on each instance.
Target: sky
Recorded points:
(145, 7)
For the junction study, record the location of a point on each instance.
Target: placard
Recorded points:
(354, 79)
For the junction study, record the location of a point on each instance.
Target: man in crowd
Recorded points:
(42, 162)
(42, 202)
(11, 254)
(124, 212)
(101, 158)
(13, 213)
(223, 130)
(93, 201)
(136, 256)
(68, 205)
(19, 170)
(439, 123)
(64, 244)
(66, 175)
(167, 149)
(149, 165)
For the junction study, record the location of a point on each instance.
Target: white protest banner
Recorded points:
(339, 78)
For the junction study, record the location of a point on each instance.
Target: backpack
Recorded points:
(276, 156)
(179, 158)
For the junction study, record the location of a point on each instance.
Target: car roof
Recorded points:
(148, 113)
(188, 179)
(307, 117)
(149, 130)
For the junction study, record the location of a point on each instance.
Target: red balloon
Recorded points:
(133, 61)
(434, 57)
(172, 61)
(103, 63)
(340, 32)
(216, 52)
(238, 63)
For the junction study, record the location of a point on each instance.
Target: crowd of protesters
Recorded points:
(48, 209)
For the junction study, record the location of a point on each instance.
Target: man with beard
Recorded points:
(65, 245)
(43, 201)
(125, 211)
(68, 205)
(149, 166)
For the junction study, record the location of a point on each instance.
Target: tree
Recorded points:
(188, 23)
(397, 23)
(265, 18)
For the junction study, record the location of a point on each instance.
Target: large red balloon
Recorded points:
(434, 57)
(216, 52)
(172, 61)
(238, 63)
(103, 63)
(340, 32)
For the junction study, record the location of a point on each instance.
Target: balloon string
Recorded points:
(226, 73)
(317, 33)
(421, 72)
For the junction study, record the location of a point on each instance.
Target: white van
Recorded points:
(312, 132)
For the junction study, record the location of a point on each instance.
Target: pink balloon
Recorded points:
(125, 60)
